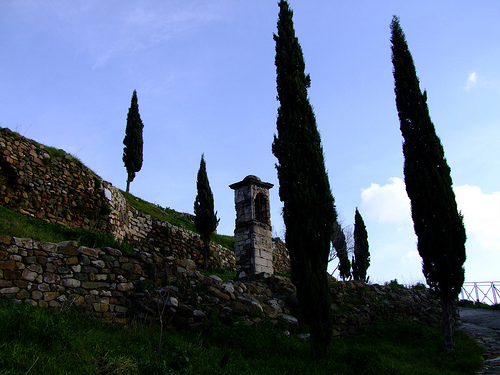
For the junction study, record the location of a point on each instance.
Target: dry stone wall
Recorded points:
(62, 190)
(61, 275)
(54, 188)
(145, 287)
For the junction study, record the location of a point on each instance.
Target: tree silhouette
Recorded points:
(339, 243)
(308, 204)
(361, 259)
(132, 152)
(206, 219)
(436, 220)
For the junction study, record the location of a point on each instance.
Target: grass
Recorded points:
(17, 225)
(224, 273)
(44, 341)
(175, 218)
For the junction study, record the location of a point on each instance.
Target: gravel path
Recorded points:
(484, 326)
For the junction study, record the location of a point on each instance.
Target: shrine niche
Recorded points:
(252, 233)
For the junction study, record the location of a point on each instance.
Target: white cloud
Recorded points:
(481, 215)
(471, 81)
(388, 203)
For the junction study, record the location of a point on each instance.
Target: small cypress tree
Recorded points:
(206, 219)
(437, 222)
(308, 204)
(132, 152)
(340, 244)
(361, 259)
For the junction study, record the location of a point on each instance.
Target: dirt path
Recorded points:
(484, 326)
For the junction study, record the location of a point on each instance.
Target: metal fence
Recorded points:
(487, 292)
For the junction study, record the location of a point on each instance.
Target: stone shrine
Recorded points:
(252, 234)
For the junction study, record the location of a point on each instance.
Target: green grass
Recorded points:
(43, 341)
(173, 217)
(224, 273)
(17, 225)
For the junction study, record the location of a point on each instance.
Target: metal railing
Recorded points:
(487, 292)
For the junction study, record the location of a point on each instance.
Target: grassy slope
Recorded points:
(174, 218)
(17, 225)
(43, 341)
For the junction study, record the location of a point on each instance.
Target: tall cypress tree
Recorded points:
(361, 260)
(340, 244)
(437, 222)
(308, 204)
(206, 219)
(132, 152)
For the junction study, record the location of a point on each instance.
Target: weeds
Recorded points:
(175, 218)
(17, 225)
(43, 341)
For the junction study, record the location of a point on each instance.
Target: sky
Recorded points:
(206, 83)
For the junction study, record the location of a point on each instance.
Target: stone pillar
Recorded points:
(252, 233)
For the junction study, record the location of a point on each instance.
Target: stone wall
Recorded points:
(62, 190)
(54, 188)
(60, 275)
(147, 287)
(281, 258)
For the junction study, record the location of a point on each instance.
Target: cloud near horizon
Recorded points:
(389, 204)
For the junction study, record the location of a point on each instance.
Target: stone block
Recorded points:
(7, 265)
(5, 283)
(44, 287)
(29, 275)
(23, 294)
(67, 248)
(63, 270)
(13, 249)
(11, 290)
(51, 278)
(36, 295)
(12, 275)
(100, 307)
(6, 240)
(20, 283)
(71, 261)
(48, 247)
(35, 268)
(71, 283)
(124, 287)
(94, 284)
(25, 243)
(88, 251)
(98, 263)
(49, 296)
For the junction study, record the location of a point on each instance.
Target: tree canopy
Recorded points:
(361, 259)
(437, 222)
(308, 204)
(132, 152)
(205, 218)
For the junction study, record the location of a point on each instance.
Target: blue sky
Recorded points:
(205, 77)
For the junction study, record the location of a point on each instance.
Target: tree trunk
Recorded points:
(128, 184)
(206, 248)
(319, 344)
(448, 336)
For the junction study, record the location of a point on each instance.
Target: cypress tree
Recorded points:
(437, 222)
(132, 152)
(308, 204)
(361, 259)
(340, 244)
(205, 220)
